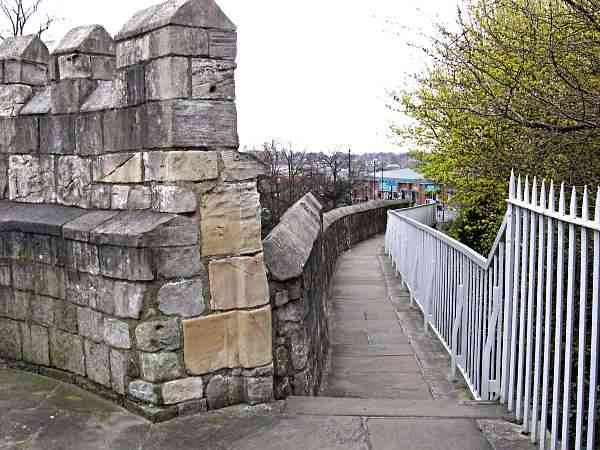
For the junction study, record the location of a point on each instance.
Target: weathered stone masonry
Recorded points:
(130, 253)
(301, 255)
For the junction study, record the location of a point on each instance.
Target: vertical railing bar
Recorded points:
(500, 342)
(582, 324)
(508, 287)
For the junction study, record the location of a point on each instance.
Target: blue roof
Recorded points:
(404, 175)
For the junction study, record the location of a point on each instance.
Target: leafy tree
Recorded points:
(20, 16)
(516, 84)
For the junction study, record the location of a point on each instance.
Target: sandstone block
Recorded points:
(122, 369)
(223, 45)
(89, 136)
(42, 310)
(158, 335)
(181, 166)
(238, 283)
(179, 391)
(224, 391)
(80, 228)
(118, 168)
(229, 340)
(12, 98)
(144, 391)
(231, 220)
(191, 124)
(158, 367)
(177, 262)
(10, 339)
(65, 316)
(81, 289)
(100, 196)
(17, 304)
(97, 363)
(67, 96)
(213, 80)
(182, 298)
(170, 40)
(74, 66)
(82, 257)
(90, 324)
(40, 103)
(57, 134)
(241, 166)
(119, 197)
(258, 390)
(116, 334)
(168, 198)
(35, 344)
(120, 298)
(74, 181)
(130, 86)
(19, 135)
(31, 179)
(66, 352)
(139, 198)
(123, 129)
(171, 199)
(133, 264)
(21, 72)
(168, 78)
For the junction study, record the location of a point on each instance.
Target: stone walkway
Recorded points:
(387, 390)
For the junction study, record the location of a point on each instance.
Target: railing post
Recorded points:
(455, 328)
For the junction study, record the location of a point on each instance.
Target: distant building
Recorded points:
(397, 184)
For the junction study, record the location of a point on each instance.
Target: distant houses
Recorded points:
(397, 184)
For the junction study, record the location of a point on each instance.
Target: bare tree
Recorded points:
(20, 16)
(295, 168)
(335, 162)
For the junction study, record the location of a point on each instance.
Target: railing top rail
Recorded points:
(590, 224)
(462, 248)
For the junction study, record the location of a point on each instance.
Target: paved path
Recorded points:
(387, 390)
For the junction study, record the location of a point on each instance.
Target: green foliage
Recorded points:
(517, 86)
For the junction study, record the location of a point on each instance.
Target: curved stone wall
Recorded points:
(301, 255)
(130, 250)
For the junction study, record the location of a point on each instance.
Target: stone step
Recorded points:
(443, 409)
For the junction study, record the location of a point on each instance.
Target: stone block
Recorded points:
(90, 324)
(89, 135)
(10, 340)
(57, 134)
(159, 367)
(169, 166)
(67, 96)
(182, 298)
(224, 391)
(40, 278)
(213, 80)
(143, 391)
(241, 166)
(168, 78)
(119, 197)
(42, 310)
(122, 369)
(238, 283)
(171, 199)
(223, 45)
(12, 98)
(177, 262)
(5, 277)
(65, 316)
(81, 288)
(139, 198)
(103, 67)
(170, 40)
(66, 352)
(228, 340)
(19, 135)
(97, 363)
(179, 391)
(116, 334)
(158, 335)
(73, 66)
(258, 390)
(104, 97)
(35, 344)
(133, 264)
(81, 257)
(191, 124)
(192, 407)
(164, 199)
(80, 228)
(21, 72)
(39, 104)
(130, 85)
(74, 181)
(101, 196)
(118, 168)
(120, 298)
(31, 179)
(231, 220)
(17, 305)
(123, 129)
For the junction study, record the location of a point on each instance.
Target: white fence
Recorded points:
(521, 325)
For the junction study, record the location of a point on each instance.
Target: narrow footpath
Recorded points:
(387, 390)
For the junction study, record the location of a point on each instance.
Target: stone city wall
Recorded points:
(130, 252)
(301, 255)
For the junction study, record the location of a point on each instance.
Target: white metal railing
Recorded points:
(522, 325)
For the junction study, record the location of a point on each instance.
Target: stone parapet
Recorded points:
(301, 255)
(130, 252)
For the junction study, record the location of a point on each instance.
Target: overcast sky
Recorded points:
(312, 72)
